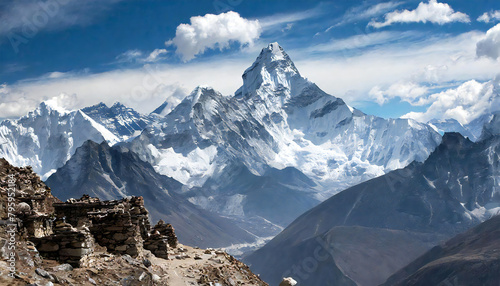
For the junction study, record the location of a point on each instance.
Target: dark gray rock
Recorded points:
(471, 258)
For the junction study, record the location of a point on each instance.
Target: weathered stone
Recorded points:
(121, 248)
(42, 273)
(120, 236)
(77, 252)
(48, 246)
(63, 267)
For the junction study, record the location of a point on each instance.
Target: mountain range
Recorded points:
(375, 228)
(256, 159)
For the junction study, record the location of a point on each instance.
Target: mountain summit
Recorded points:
(276, 120)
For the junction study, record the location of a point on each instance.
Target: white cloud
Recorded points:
(436, 61)
(433, 11)
(464, 103)
(359, 41)
(407, 91)
(15, 102)
(155, 55)
(489, 16)
(129, 56)
(136, 56)
(428, 61)
(489, 46)
(280, 19)
(143, 89)
(213, 31)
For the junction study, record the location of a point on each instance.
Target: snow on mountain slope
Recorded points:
(47, 137)
(280, 119)
(451, 125)
(122, 121)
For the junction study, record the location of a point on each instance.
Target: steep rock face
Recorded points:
(47, 137)
(471, 258)
(115, 172)
(453, 190)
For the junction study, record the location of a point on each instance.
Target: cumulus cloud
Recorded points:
(489, 17)
(407, 91)
(433, 11)
(489, 46)
(464, 103)
(213, 31)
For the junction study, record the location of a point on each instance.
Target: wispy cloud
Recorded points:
(364, 12)
(271, 21)
(433, 11)
(137, 56)
(362, 41)
(31, 16)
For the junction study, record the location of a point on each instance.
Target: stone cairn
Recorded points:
(161, 237)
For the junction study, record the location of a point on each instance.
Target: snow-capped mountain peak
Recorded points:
(273, 70)
(280, 119)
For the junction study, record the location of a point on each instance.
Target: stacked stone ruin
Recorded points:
(122, 226)
(67, 231)
(161, 237)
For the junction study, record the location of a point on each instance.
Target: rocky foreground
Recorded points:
(44, 241)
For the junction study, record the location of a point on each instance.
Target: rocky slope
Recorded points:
(35, 219)
(412, 208)
(115, 172)
(471, 258)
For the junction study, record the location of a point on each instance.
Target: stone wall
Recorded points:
(67, 244)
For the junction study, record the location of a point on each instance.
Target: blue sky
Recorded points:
(387, 58)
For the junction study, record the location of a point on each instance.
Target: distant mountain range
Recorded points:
(375, 228)
(472, 130)
(258, 158)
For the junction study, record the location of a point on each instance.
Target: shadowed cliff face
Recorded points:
(411, 209)
(471, 258)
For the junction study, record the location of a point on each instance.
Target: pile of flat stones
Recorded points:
(67, 244)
